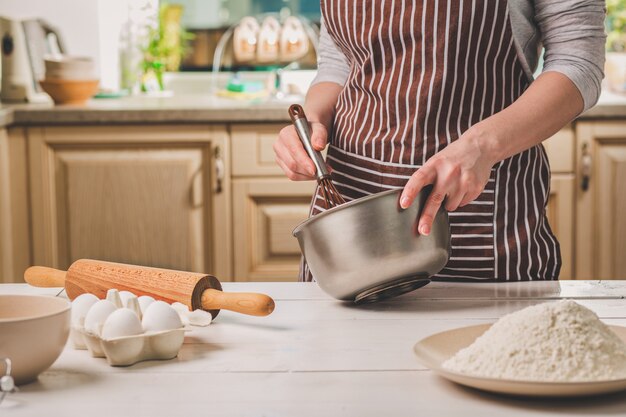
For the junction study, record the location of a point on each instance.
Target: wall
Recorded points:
(88, 27)
(76, 20)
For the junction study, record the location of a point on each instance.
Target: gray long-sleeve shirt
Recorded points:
(571, 31)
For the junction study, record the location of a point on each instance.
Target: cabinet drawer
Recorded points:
(265, 211)
(560, 150)
(253, 153)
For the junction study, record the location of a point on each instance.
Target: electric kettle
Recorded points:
(24, 44)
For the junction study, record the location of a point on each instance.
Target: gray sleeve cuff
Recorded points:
(574, 39)
(332, 64)
(589, 86)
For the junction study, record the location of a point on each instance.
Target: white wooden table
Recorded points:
(314, 356)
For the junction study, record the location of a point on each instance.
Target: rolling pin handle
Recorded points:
(41, 276)
(246, 303)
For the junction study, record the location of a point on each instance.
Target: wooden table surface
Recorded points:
(314, 356)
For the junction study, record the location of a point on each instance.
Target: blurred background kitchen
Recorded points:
(133, 43)
(141, 131)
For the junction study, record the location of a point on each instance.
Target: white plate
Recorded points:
(436, 349)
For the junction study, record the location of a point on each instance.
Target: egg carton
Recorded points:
(125, 329)
(128, 350)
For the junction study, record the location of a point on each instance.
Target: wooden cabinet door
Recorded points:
(600, 208)
(560, 150)
(560, 210)
(265, 213)
(14, 221)
(560, 214)
(139, 195)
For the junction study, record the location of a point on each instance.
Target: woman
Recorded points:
(411, 93)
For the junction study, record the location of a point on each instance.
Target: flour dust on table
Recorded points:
(551, 342)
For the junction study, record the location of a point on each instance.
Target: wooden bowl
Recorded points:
(34, 330)
(70, 91)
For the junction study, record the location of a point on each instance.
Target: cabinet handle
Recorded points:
(585, 167)
(195, 191)
(219, 169)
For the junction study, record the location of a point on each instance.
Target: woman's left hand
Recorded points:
(458, 173)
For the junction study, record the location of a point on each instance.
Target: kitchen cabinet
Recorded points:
(266, 211)
(210, 198)
(253, 152)
(266, 207)
(15, 253)
(601, 200)
(147, 195)
(560, 214)
(560, 208)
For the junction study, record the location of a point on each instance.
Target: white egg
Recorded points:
(160, 316)
(125, 296)
(144, 302)
(80, 307)
(122, 322)
(97, 315)
(199, 318)
(180, 308)
(183, 312)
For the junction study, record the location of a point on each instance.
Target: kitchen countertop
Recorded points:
(315, 356)
(192, 108)
(197, 108)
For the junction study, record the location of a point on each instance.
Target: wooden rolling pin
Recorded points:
(197, 291)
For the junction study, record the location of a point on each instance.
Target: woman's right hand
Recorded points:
(291, 156)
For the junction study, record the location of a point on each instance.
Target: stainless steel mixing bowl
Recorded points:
(369, 249)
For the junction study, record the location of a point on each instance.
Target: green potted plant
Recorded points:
(165, 47)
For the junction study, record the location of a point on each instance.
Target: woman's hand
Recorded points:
(319, 105)
(458, 173)
(291, 156)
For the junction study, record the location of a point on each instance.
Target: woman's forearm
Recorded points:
(548, 104)
(320, 103)
(460, 171)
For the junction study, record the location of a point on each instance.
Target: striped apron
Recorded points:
(423, 72)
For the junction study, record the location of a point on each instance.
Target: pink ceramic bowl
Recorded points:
(33, 332)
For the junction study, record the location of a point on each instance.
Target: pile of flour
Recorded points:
(561, 341)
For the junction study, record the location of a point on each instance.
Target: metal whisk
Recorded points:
(331, 196)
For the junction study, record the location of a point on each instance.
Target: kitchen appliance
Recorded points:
(370, 249)
(331, 196)
(195, 290)
(24, 45)
(34, 330)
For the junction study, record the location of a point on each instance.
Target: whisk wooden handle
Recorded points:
(296, 112)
